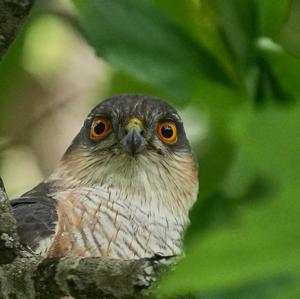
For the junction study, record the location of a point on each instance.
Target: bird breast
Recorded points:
(103, 221)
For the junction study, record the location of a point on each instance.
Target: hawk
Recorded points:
(123, 188)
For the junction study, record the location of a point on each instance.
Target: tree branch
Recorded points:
(98, 277)
(12, 16)
(26, 275)
(10, 247)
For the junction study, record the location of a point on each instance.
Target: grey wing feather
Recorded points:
(36, 215)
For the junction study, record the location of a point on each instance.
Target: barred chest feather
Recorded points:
(103, 221)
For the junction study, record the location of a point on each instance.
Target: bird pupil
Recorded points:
(99, 128)
(167, 131)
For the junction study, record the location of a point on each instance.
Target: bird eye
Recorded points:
(100, 128)
(167, 131)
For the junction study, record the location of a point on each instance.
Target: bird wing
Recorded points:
(36, 216)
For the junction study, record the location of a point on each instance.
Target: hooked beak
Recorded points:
(134, 142)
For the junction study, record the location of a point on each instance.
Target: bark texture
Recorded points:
(26, 275)
(10, 248)
(77, 277)
(12, 16)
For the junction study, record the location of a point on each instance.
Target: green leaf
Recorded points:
(270, 288)
(289, 36)
(237, 20)
(286, 68)
(272, 16)
(137, 37)
(121, 82)
(203, 27)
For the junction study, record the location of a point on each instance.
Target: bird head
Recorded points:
(131, 141)
(132, 125)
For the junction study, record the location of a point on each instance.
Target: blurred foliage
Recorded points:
(236, 65)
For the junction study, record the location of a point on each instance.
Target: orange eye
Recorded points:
(100, 128)
(167, 131)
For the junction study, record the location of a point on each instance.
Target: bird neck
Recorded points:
(171, 181)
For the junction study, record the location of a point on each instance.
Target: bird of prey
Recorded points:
(123, 188)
